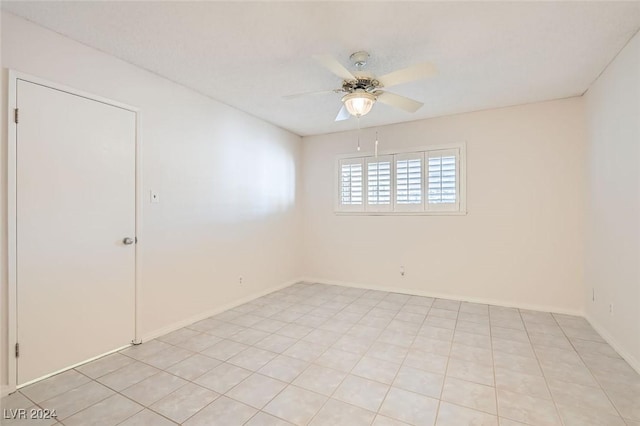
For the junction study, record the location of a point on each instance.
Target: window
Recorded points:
(428, 181)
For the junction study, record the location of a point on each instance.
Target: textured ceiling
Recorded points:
(249, 55)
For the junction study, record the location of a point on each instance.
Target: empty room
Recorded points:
(320, 213)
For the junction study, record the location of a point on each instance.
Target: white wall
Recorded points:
(521, 242)
(612, 265)
(229, 183)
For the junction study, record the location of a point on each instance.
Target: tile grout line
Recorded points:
(286, 384)
(349, 372)
(252, 372)
(546, 381)
(309, 366)
(589, 369)
(402, 364)
(260, 410)
(493, 362)
(446, 369)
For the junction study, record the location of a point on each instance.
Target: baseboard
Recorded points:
(613, 342)
(415, 292)
(203, 315)
(62, 370)
(5, 390)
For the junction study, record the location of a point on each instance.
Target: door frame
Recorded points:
(12, 163)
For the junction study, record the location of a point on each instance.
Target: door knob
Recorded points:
(128, 241)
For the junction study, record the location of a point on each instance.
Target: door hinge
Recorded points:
(17, 350)
(15, 115)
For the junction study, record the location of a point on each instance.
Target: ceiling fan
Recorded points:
(362, 89)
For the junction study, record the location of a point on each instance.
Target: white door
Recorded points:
(75, 177)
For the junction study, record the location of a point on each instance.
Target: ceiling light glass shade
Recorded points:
(358, 103)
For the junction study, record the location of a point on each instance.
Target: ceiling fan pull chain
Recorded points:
(376, 146)
(359, 133)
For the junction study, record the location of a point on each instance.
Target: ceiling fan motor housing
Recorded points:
(367, 84)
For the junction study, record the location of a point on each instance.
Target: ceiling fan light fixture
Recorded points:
(359, 103)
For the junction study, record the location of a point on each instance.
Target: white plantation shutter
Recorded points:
(409, 181)
(351, 190)
(427, 181)
(379, 189)
(443, 180)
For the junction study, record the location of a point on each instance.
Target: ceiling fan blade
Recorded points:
(343, 114)
(405, 75)
(299, 95)
(332, 64)
(399, 101)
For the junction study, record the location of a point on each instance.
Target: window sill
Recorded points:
(431, 213)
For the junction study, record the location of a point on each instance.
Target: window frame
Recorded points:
(434, 209)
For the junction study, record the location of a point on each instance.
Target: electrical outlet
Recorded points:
(240, 280)
(402, 271)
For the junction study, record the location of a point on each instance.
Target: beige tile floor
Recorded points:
(327, 355)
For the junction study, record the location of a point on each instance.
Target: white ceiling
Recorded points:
(249, 55)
